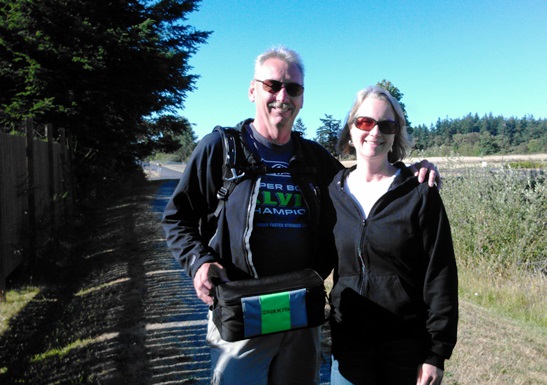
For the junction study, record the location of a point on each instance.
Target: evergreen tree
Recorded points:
(397, 94)
(327, 134)
(188, 142)
(99, 69)
(170, 134)
(420, 135)
(299, 127)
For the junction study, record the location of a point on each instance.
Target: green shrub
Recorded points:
(499, 222)
(528, 165)
(498, 217)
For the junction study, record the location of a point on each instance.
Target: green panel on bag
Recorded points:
(276, 312)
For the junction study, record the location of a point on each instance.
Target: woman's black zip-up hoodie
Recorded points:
(196, 235)
(396, 276)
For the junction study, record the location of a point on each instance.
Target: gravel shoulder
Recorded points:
(116, 309)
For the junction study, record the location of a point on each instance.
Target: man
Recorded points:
(270, 223)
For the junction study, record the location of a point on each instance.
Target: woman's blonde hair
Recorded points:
(402, 143)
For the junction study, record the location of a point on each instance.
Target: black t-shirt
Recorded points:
(281, 237)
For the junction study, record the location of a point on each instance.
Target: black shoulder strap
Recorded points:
(231, 172)
(235, 168)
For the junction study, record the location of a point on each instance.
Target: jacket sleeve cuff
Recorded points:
(435, 360)
(196, 264)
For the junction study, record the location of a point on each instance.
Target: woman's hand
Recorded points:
(429, 375)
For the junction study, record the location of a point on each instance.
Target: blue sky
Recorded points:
(448, 58)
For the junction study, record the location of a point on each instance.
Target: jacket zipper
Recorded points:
(363, 280)
(359, 250)
(249, 228)
(360, 255)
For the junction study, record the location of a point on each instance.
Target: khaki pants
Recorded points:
(288, 358)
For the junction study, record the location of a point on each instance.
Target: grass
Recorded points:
(528, 165)
(78, 344)
(16, 300)
(496, 351)
(498, 219)
(60, 352)
(520, 296)
(499, 226)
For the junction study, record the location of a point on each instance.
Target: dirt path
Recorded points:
(122, 312)
(487, 159)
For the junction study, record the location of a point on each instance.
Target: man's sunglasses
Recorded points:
(274, 86)
(385, 126)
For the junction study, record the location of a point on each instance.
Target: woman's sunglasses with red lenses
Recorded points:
(385, 126)
(274, 86)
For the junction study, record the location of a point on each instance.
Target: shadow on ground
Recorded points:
(120, 312)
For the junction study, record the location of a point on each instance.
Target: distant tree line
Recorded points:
(468, 136)
(477, 136)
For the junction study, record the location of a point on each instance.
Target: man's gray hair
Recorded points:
(283, 53)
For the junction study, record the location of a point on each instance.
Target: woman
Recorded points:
(394, 302)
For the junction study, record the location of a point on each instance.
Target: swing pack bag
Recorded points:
(256, 307)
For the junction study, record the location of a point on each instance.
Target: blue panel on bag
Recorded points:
(252, 317)
(299, 317)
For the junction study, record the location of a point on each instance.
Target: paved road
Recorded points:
(179, 322)
(167, 171)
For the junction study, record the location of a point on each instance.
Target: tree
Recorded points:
(488, 145)
(187, 141)
(394, 91)
(100, 69)
(327, 134)
(421, 137)
(299, 127)
(167, 133)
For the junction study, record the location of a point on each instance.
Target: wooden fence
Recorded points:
(34, 194)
